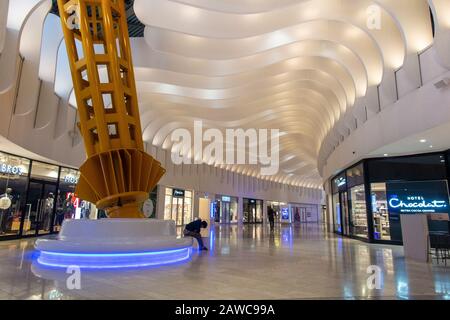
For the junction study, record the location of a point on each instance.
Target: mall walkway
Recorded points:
(246, 262)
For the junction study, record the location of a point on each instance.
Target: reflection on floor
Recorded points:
(245, 262)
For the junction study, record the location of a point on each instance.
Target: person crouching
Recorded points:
(193, 230)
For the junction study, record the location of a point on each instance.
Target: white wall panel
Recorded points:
(3, 20)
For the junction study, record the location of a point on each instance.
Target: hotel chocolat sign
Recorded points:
(418, 197)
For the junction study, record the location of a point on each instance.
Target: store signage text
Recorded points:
(340, 182)
(15, 170)
(177, 193)
(417, 204)
(226, 199)
(70, 179)
(285, 213)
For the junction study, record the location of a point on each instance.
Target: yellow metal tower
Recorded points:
(118, 174)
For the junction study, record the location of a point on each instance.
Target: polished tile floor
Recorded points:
(245, 262)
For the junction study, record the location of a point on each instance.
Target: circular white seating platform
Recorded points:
(114, 243)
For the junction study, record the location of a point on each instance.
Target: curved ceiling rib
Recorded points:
(305, 67)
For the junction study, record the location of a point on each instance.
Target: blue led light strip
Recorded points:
(175, 256)
(125, 254)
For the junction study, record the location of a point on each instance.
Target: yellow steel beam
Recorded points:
(117, 175)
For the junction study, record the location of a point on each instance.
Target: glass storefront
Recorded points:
(225, 209)
(13, 188)
(369, 198)
(337, 213)
(305, 213)
(340, 212)
(253, 211)
(357, 221)
(381, 226)
(277, 208)
(178, 206)
(35, 197)
(358, 218)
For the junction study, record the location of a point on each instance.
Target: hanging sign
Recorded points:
(178, 193)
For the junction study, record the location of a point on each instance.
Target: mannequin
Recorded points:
(5, 214)
(47, 211)
(85, 209)
(59, 217)
(69, 208)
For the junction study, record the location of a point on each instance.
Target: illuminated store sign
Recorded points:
(178, 193)
(340, 182)
(285, 213)
(71, 179)
(15, 170)
(417, 204)
(226, 199)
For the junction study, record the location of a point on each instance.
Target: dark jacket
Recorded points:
(194, 226)
(271, 214)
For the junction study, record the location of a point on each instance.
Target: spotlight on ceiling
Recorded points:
(423, 140)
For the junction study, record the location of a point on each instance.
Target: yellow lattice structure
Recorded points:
(118, 174)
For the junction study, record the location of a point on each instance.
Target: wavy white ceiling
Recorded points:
(298, 66)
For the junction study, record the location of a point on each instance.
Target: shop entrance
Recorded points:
(341, 214)
(177, 210)
(178, 206)
(222, 212)
(39, 208)
(252, 211)
(344, 213)
(225, 212)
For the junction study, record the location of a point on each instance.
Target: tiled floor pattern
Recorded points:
(245, 262)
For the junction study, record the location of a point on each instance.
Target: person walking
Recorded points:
(271, 216)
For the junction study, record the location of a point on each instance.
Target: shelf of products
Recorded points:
(359, 218)
(381, 220)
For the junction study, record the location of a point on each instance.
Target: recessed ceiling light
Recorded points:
(431, 146)
(386, 155)
(423, 140)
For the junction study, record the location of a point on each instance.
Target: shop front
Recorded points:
(304, 213)
(36, 197)
(370, 197)
(178, 206)
(279, 208)
(253, 211)
(225, 209)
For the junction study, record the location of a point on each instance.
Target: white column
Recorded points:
(196, 204)
(240, 210)
(160, 199)
(264, 212)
